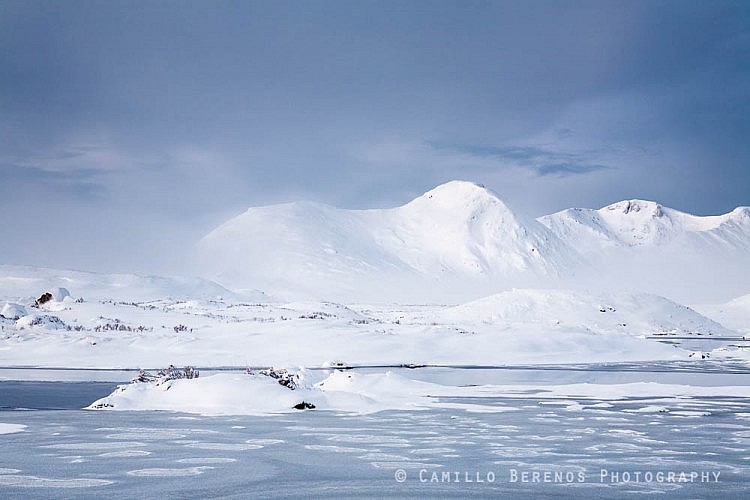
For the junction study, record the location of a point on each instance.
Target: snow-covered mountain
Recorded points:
(646, 223)
(643, 245)
(465, 228)
(459, 241)
(455, 241)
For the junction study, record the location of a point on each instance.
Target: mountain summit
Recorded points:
(464, 228)
(456, 240)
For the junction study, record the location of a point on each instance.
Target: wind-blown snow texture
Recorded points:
(460, 242)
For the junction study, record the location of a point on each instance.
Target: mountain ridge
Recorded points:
(460, 241)
(637, 222)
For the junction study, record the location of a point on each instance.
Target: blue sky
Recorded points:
(130, 128)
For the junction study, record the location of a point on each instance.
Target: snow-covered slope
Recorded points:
(23, 283)
(627, 312)
(642, 245)
(457, 241)
(646, 223)
(465, 228)
(733, 314)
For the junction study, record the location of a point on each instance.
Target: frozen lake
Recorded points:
(521, 446)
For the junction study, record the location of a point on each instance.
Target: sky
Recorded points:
(129, 129)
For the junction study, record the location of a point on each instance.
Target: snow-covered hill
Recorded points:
(460, 242)
(734, 314)
(26, 283)
(604, 312)
(457, 241)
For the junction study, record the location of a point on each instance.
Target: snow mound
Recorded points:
(257, 394)
(242, 394)
(59, 294)
(11, 428)
(638, 313)
(42, 321)
(221, 394)
(13, 311)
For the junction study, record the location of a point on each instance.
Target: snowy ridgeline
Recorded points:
(460, 242)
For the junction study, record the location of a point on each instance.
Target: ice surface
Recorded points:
(336, 455)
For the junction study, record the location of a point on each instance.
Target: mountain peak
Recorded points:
(633, 207)
(458, 197)
(458, 192)
(458, 188)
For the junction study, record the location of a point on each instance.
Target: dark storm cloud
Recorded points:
(186, 112)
